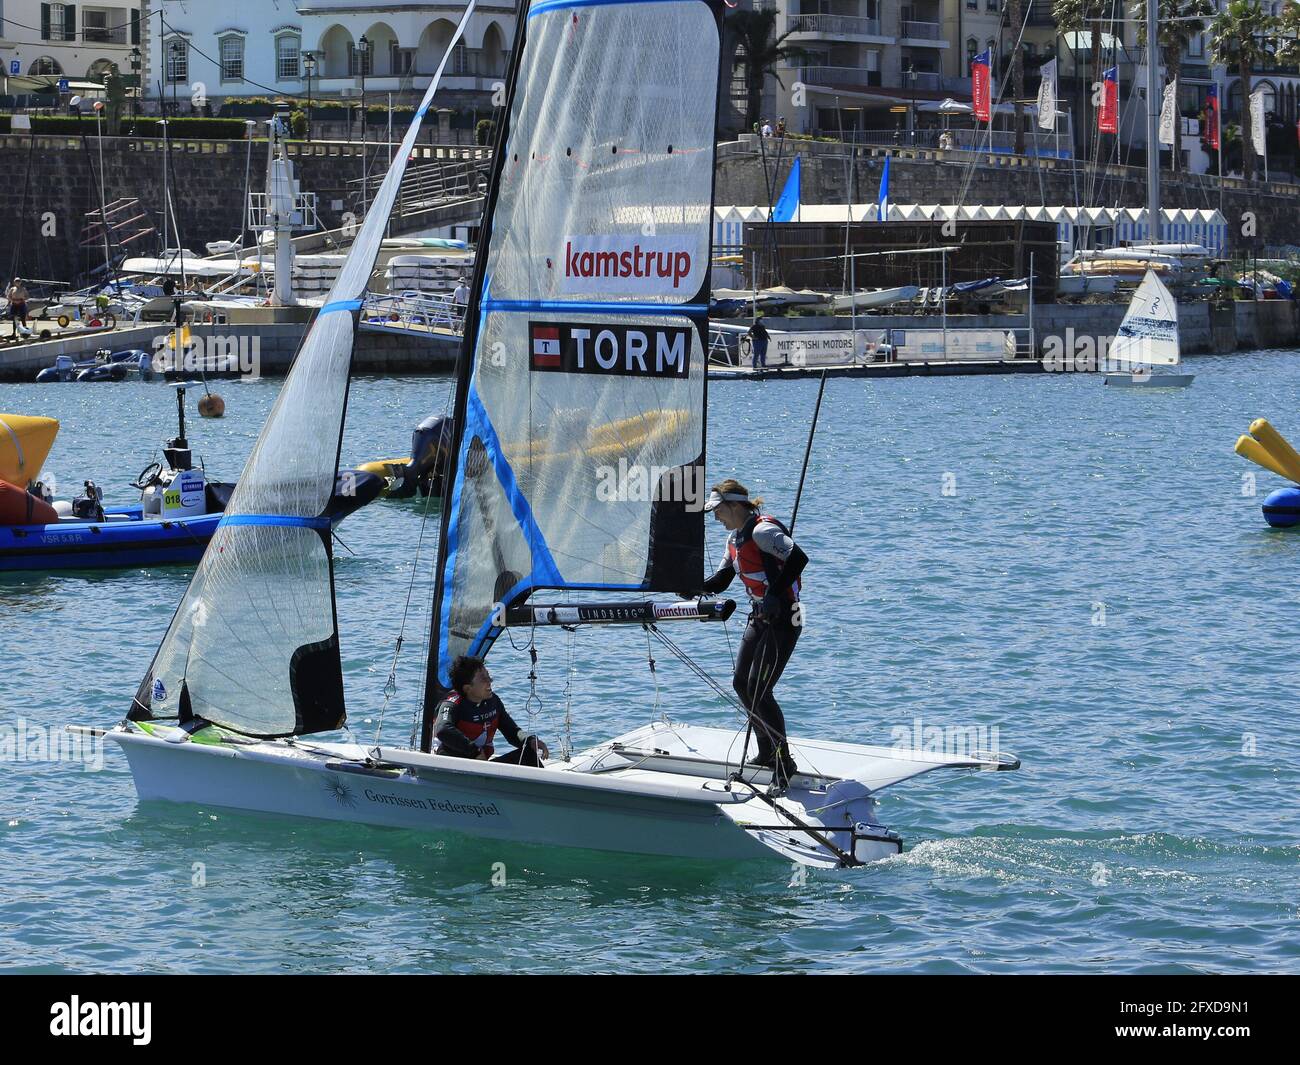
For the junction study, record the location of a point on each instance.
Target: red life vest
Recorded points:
(747, 560)
(477, 721)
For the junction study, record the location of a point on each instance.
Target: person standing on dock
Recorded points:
(460, 302)
(16, 296)
(769, 562)
(758, 337)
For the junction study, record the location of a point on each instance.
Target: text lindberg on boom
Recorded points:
(641, 266)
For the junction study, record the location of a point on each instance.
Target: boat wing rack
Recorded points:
(662, 761)
(634, 613)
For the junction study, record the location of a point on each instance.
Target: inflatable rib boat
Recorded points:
(128, 537)
(178, 513)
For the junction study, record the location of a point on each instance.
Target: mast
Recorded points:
(433, 692)
(1153, 124)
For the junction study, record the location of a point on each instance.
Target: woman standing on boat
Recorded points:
(769, 562)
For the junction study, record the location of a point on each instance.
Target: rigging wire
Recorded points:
(390, 685)
(566, 748)
(727, 697)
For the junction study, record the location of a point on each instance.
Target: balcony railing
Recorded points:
(838, 76)
(100, 35)
(834, 25)
(920, 31)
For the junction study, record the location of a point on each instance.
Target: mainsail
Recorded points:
(580, 408)
(254, 645)
(1148, 336)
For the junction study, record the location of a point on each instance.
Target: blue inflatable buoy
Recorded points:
(1282, 508)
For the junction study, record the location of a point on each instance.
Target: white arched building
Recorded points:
(229, 51)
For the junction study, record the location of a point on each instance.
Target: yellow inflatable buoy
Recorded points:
(1275, 444)
(25, 441)
(1250, 448)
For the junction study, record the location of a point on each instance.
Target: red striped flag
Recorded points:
(1108, 112)
(546, 345)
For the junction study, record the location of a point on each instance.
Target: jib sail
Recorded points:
(254, 645)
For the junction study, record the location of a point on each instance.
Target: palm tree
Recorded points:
(1079, 16)
(1288, 34)
(753, 31)
(1015, 20)
(1180, 22)
(1242, 41)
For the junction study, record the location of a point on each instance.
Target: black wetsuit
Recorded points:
(769, 638)
(465, 729)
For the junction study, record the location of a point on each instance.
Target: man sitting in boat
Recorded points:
(472, 714)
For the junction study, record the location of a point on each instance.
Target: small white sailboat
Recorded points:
(250, 669)
(1148, 336)
(870, 299)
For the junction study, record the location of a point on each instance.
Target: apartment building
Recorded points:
(80, 42)
(325, 48)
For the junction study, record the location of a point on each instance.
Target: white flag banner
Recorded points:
(1169, 114)
(1047, 96)
(1257, 121)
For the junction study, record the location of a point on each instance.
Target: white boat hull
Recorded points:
(654, 791)
(493, 809)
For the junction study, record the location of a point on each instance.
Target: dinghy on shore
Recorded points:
(870, 299)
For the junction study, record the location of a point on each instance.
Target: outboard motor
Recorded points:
(430, 446)
(64, 369)
(89, 507)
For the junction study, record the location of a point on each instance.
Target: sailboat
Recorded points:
(1148, 336)
(583, 351)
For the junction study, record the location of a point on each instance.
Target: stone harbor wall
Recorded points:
(49, 184)
(270, 347)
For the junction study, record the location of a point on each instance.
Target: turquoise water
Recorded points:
(1074, 570)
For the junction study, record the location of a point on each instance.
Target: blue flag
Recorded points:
(882, 205)
(788, 204)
